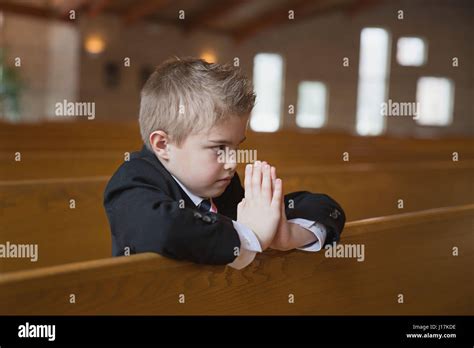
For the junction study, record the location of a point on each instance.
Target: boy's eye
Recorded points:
(220, 147)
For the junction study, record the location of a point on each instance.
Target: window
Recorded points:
(435, 97)
(411, 51)
(372, 88)
(311, 109)
(268, 84)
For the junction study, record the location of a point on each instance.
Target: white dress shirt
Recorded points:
(249, 244)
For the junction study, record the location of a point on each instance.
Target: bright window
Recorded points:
(311, 108)
(268, 84)
(411, 51)
(374, 63)
(435, 97)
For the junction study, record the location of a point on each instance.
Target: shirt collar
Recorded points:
(196, 199)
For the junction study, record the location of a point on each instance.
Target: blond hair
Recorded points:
(188, 95)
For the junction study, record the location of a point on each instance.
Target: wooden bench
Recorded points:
(83, 135)
(38, 211)
(408, 269)
(64, 164)
(58, 150)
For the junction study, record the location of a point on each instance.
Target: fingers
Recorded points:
(277, 194)
(256, 178)
(266, 184)
(274, 176)
(248, 181)
(283, 206)
(240, 208)
(260, 180)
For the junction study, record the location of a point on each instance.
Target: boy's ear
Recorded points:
(159, 142)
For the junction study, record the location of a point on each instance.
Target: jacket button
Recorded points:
(335, 214)
(206, 218)
(197, 215)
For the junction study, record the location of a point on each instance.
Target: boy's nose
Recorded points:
(230, 165)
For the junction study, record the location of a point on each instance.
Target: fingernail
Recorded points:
(257, 163)
(267, 167)
(248, 167)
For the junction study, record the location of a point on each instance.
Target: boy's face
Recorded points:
(197, 164)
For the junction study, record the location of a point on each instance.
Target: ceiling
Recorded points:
(239, 19)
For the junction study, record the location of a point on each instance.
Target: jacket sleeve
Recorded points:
(145, 219)
(317, 207)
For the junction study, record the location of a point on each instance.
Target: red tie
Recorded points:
(213, 207)
(207, 205)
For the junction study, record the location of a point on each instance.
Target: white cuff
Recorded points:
(249, 246)
(319, 230)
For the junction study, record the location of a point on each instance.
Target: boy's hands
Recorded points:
(282, 238)
(261, 208)
(287, 236)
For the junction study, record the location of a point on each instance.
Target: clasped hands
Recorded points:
(263, 210)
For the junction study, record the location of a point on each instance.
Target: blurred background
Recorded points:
(317, 65)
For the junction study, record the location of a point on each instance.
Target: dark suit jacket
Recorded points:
(149, 212)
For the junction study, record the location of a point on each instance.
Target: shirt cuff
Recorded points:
(249, 246)
(319, 230)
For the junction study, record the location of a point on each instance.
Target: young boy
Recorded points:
(176, 198)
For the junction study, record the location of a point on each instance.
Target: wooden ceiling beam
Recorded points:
(217, 9)
(143, 9)
(97, 7)
(32, 11)
(271, 19)
(303, 10)
(77, 5)
(360, 6)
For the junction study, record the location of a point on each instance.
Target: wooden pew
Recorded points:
(84, 135)
(409, 255)
(89, 149)
(59, 164)
(63, 164)
(38, 211)
(69, 136)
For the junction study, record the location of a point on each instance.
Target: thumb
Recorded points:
(239, 208)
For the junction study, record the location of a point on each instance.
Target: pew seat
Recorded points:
(410, 267)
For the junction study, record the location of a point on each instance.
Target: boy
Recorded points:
(175, 198)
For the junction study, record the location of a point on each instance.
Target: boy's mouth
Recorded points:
(229, 178)
(224, 180)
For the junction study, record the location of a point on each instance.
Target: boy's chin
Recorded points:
(216, 192)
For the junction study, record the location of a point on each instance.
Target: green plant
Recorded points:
(10, 88)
